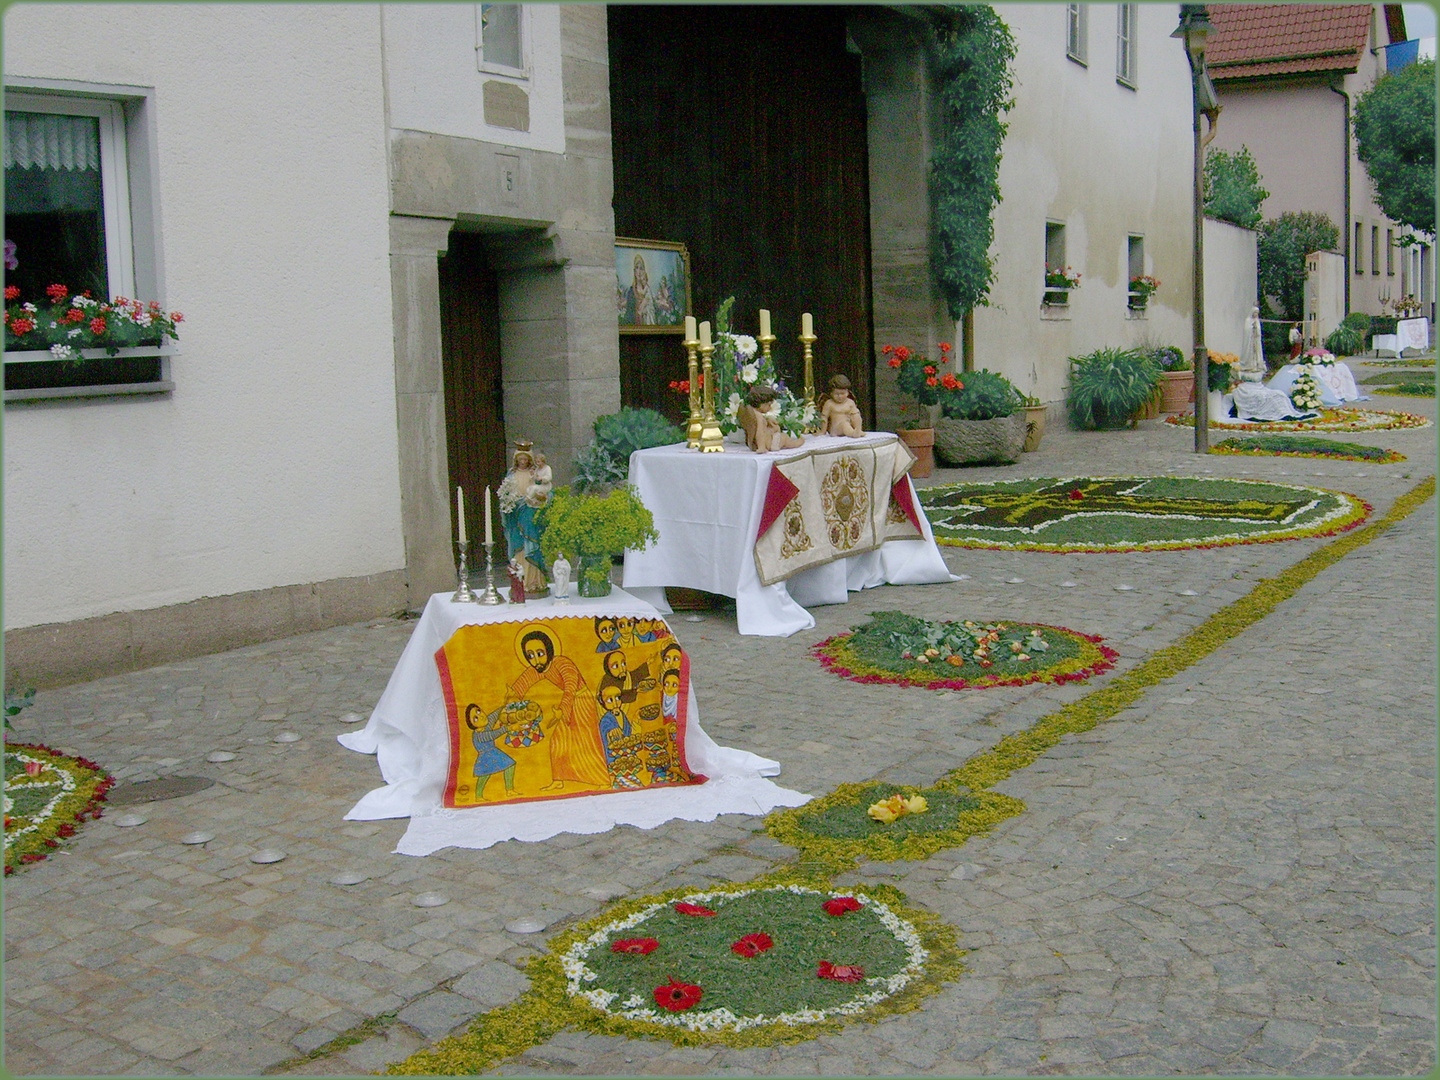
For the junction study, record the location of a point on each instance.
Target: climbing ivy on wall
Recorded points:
(971, 58)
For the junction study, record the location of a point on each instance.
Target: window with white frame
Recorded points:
(500, 44)
(79, 198)
(1125, 43)
(1076, 25)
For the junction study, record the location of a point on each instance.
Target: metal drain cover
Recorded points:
(167, 787)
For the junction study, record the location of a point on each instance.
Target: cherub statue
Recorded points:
(762, 427)
(840, 414)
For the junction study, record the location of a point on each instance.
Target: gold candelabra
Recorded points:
(694, 428)
(807, 342)
(711, 438)
(766, 341)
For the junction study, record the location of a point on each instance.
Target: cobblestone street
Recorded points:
(1234, 876)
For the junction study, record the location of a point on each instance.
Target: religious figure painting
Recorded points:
(652, 286)
(545, 710)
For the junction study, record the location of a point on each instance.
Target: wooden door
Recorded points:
(470, 357)
(740, 132)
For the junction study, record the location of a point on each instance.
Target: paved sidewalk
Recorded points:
(1237, 875)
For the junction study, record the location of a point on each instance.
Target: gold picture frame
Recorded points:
(652, 286)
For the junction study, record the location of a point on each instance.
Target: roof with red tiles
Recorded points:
(1254, 40)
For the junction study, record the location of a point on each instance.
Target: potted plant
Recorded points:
(1177, 378)
(589, 528)
(1059, 280)
(1142, 287)
(1109, 387)
(1035, 410)
(606, 461)
(1221, 375)
(981, 420)
(920, 379)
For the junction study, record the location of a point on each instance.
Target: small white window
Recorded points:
(1125, 44)
(1076, 22)
(500, 39)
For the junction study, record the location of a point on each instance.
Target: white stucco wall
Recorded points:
(435, 85)
(1109, 162)
(274, 462)
(1230, 271)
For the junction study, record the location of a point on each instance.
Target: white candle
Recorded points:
(689, 327)
(807, 325)
(764, 322)
(460, 512)
(705, 335)
(488, 538)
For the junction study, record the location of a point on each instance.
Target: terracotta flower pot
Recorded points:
(1177, 390)
(921, 442)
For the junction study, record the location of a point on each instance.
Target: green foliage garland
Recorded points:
(1283, 244)
(1232, 187)
(971, 61)
(1395, 137)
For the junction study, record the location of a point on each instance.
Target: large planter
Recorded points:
(1034, 427)
(1177, 390)
(979, 442)
(1151, 409)
(921, 442)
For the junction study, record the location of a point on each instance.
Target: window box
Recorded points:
(35, 374)
(1055, 297)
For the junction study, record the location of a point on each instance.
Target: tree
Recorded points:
(971, 58)
(1395, 135)
(1283, 244)
(1232, 187)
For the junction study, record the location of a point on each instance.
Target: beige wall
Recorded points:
(1229, 285)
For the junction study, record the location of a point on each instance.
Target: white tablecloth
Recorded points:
(1337, 383)
(408, 733)
(1413, 334)
(707, 510)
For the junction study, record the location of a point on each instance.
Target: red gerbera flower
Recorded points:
(839, 972)
(635, 946)
(692, 909)
(752, 945)
(677, 996)
(839, 905)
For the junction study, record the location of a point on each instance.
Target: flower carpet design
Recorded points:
(1133, 513)
(1406, 389)
(47, 795)
(1310, 446)
(1328, 420)
(905, 651)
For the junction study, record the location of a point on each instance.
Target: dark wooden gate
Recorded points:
(740, 132)
(470, 357)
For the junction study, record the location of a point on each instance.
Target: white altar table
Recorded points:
(708, 509)
(408, 733)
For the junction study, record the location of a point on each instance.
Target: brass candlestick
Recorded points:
(711, 438)
(766, 340)
(807, 342)
(695, 426)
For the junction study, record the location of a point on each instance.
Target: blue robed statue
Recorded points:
(525, 489)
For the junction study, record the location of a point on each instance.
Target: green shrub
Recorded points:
(1166, 357)
(1108, 387)
(1232, 187)
(1280, 254)
(618, 435)
(1348, 338)
(985, 395)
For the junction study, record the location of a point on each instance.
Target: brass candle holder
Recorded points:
(711, 438)
(766, 341)
(807, 342)
(695, 425)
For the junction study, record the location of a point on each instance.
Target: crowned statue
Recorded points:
(525, 489)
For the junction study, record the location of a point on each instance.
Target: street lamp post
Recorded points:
(1194, 30)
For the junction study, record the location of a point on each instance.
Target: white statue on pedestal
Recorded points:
(560, 572)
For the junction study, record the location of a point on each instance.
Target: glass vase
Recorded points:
(593, 575)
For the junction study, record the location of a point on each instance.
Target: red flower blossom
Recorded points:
(56, 292)
(752, 945)
(692, 909)
(21, 326)
(75, 314)
(839, 972)
(681, 386)
(932, 381)
(930, 369)
(839, 905)
(66, 830)
(677, 996)
(12, 292)
(175, 316)
(894, 361)
(635, 946)
(945, 346)
(97, 325)
(34, 768)
(1077, 494)
(949, 381)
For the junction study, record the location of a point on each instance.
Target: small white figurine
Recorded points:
(560, 572)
